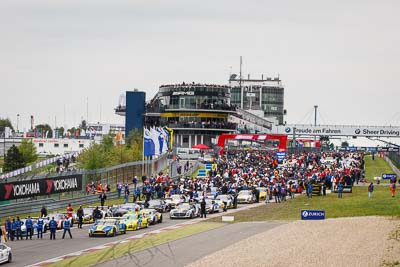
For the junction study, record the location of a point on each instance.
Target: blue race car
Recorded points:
(107, 227)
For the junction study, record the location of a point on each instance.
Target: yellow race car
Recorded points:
(262, 195)
(152, 215)
(134, 221)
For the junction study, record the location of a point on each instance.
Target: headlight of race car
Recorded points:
(107, 229)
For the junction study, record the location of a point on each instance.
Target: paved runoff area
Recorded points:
(186, 250)
(361, 241)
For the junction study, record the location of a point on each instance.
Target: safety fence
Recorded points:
(34, 207)
(122, 173)
(395, 157)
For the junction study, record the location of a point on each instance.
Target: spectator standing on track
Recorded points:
(103, 198)
(18, 225)
(40, 224)
(69, 211)
(203, 208)
(134, 181)
(67, 227)
(340, 190)
(370, 189)
(13, 229)
(43, 212)
(126, 195)
(80, 214)
(119, 189)
(8, 228)
(53, 228)
(309, 189)
(29, 228)
(137, 193)
(393, 188)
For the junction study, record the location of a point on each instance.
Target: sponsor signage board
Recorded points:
(39, 187)
(280, 155)
(389, 176)
(201, 173)
(333, 130)
(346, 189)
(312, 214)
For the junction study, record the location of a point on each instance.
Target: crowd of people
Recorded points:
(254, 169)
(238, 170)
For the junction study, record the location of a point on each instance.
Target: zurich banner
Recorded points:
(389, 176)
(312, 214)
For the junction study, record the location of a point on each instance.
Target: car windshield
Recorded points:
(245, 193)
(128, 207)
(154, 203)
(222, 197)
(184, 206)
(176, 197)
(130, 217)
(105, 222)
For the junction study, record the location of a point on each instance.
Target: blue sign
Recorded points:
(389, 176)
(201, 173)
(280, 155)
(312, 214)
(208, 166)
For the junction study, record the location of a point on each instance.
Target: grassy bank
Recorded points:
(351, 205)
(375, 168)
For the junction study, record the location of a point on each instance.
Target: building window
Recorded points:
(56, 145)
(80, 145)
(40, 144)
(65, 145)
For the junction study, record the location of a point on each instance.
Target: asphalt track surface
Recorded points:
(189, 249)
(28, 252)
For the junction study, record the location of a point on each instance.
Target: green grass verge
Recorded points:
(375, 168)
(351, 205)
(133, 246)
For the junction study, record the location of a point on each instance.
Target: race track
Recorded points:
(29, 252)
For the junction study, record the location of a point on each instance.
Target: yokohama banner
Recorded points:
(39, 187)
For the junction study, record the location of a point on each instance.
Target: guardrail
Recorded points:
(29, 207)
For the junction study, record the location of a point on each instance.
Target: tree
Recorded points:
(61, 131)
(43, 129)
(28, 151)
(345, 144)
(83, 125)
(5, 123)
(13, 160)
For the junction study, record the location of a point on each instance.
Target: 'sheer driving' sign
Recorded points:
(312, 214)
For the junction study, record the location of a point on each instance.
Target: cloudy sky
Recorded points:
(58, 55)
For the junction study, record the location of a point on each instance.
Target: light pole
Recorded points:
(17, 123)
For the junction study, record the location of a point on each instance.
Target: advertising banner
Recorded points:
(338, 130)
(389, 176)
(39, 187)
(312, 214)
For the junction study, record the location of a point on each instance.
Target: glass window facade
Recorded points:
(268, 98)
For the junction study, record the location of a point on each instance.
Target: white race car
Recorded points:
(5, 253)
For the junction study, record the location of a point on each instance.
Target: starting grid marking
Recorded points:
(112, 244)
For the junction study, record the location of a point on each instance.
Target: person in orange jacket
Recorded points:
(393, 189)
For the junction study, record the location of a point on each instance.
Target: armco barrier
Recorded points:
(51, 204)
